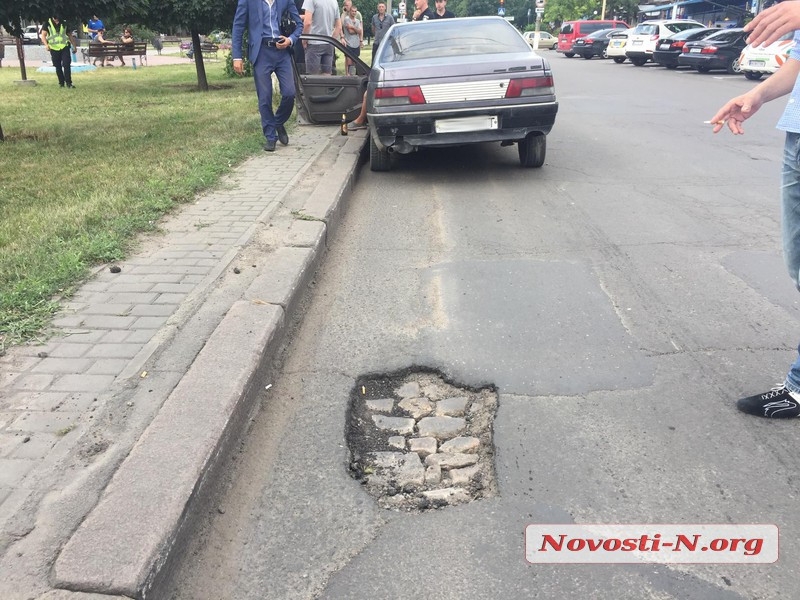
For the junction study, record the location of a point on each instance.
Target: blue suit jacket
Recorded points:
(249, 14)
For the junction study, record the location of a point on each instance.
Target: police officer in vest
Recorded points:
(56, 39)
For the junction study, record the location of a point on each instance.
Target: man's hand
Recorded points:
(735, 112)
(769, 25)
(283, 43)
(238, 66)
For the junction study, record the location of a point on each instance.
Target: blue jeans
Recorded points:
(790, 218)
(269, 61)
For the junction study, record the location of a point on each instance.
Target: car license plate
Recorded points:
(664, 47)
(637, 42)
(756, 63)
(694, 50)
(616, 44)
(462, 124)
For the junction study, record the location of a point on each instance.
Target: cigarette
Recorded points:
(714, 122)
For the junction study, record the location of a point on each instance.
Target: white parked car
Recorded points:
(545, 39)
(30, 35)
(765, 60)
(617, 44)
(642, 41)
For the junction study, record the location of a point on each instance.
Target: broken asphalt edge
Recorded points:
(127, 544)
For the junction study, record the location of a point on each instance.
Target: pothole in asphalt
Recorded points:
(418, 441)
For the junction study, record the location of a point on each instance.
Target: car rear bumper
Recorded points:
(405, 132)
(665, 57)
(639, 54)
(707, 61)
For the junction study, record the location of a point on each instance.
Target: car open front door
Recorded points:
(324, 98)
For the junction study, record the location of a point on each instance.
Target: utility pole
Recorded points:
(538, 25)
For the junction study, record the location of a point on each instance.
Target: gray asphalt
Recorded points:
(621, 298)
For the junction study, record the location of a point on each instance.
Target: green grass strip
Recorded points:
(83, 171)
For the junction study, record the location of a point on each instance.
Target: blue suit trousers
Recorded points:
(271, 60)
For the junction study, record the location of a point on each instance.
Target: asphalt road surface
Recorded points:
(620, 298)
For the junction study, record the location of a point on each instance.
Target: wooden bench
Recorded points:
(207, 49)
(171, 39)
(114, 50)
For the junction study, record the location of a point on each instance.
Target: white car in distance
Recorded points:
(755, 62)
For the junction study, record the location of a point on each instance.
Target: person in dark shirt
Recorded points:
(422, 12)
(441, 11)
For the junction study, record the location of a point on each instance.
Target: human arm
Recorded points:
(770, 24)
(307, 17)
(237, 36)
(741, 108)
(43, 37)
(337, 29)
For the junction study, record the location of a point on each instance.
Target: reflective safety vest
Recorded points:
(56, 38)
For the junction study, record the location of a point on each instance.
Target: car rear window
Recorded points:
(451, 37)
(676, 27)
(726, 35)
(566, 28)
(645, 30)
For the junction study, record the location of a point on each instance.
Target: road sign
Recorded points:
(501, 11)
(539, 11)
(539, 3)
(511, 18)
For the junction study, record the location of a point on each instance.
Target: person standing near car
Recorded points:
(380, 25)
(421, 11)
(783, 400)
(352, 31)
(321, 17)
(441, 11)
(60, 44)
(269, 52)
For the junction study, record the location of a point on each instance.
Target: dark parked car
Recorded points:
(444, 82)
(720, 50)
(669, 49)
(594, 44)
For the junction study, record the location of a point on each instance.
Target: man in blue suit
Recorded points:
(269, 52)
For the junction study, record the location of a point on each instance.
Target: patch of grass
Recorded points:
(85, 170)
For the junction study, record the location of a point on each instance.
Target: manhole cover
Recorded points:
(418, 441)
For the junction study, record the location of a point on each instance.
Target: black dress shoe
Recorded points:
(283, 137)
(269, 146)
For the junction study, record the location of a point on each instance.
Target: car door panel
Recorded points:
(324, 98)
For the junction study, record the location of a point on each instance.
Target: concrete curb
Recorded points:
(125, 546)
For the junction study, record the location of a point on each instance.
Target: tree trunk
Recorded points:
(202, 80)
(21, 56)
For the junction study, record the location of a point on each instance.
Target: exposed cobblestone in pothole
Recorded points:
(419, 442)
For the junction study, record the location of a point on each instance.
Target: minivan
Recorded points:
(572, 30)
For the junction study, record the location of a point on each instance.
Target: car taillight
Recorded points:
(394, 96)
(654, 37)
(530, 86)
(678, 45)
(709, 50)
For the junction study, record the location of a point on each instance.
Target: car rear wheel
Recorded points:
(703, 69)
(619, 59)
(569, 54)
(639, 62)
(378, 159)
(734, 67)
(753, 76)
(671, 66)
(605, 52)
(587, 56)
(532, 150)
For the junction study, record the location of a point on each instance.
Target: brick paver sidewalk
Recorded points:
(50, 393)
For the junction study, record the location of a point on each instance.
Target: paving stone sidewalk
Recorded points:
(108, 334)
